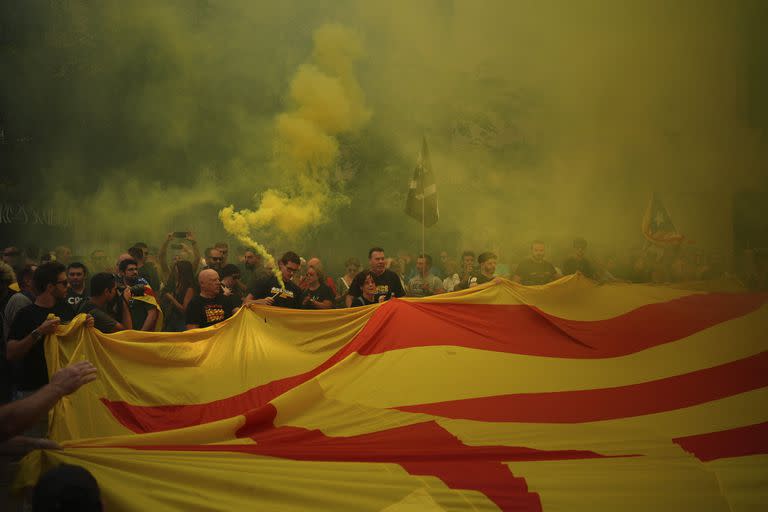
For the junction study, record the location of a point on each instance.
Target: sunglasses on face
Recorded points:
(216, 258)
(63, 281)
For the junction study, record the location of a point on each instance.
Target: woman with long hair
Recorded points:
(177, 294)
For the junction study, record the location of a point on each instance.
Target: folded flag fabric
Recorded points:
(569, 396)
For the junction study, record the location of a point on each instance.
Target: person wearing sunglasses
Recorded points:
(33, 323)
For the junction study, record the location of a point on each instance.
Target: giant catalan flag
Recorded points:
(570, 396)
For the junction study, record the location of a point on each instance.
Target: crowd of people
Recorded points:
(177, 287)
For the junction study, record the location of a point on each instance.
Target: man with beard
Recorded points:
(76, 274)
(33, 323)
(578, 262)
(487, 261)
(144, 314)
(425, 283)
(106, 306)
(388, 283)
(535, 270)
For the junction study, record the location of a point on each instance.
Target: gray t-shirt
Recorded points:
(424, 286)
(15, 304)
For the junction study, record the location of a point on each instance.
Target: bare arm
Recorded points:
(17, 349)
(16, 417)
(187, 298)
(127, 322)
(195, 251)
(323, 304)
(149, 323)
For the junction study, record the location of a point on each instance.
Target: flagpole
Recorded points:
(423, 215)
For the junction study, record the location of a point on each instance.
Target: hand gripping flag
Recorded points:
(657, 225)
(422, 191)
(568, 396)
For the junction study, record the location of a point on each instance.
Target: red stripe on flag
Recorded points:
(609, 403)
(421, 449)
(520, 329)
(736, 442)
(516, 329)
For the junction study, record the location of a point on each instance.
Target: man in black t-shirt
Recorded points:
(487, 261)
(33, 323)
(76, 275)
(535, 270)
(210, 306)
(577, 262)
(388, 284)
(268, 291)
(106, 305)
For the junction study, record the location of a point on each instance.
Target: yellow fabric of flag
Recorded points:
(568, 396)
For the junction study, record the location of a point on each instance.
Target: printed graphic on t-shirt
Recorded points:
(213, 313)
(281, 292)
(74, 301)
(382, 289)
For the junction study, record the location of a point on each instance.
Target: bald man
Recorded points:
(210, 306)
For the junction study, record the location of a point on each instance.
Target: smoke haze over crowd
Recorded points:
(544, 120)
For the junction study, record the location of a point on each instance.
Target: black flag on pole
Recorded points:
(422, 193)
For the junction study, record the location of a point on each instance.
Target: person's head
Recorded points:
(63, 254)
(369, 284)
(144, 249)
(314, 276)
(137, 253)
(124, 256)
(352, 266)
(537, 250)
(129, 270)
(223, 248)
(103, 286)
(251, 258)
(67, 488)
(377, 260)
(289, 263)
(230, 275)
(12, 256)
(315, 263)
(184, 274)
(468, 260)
(579, 246)
(424, 264)
(210, 284)
(76, 273)
(26, 279)
(487, 261)
(51, 278)
(215, 259)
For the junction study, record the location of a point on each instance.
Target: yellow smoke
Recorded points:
(237, 224)
(326, 101)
